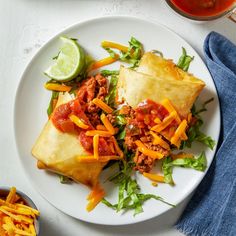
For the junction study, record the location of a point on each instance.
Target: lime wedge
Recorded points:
(69, 62)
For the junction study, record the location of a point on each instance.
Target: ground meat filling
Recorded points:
(140, 131)
(93, 87)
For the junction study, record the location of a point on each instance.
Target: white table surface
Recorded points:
(24, 26)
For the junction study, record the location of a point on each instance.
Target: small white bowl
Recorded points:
(4, 192)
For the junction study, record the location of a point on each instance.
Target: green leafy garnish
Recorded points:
(134, 53)
(129, 196)
(120, 122)
(199, 163)
(64, 179)
(111, 52)
(184, 60)
(194, 133)
(50, 107)
(109, 72)
(196, 112)
(110, 98)
(132, 56)
(167, 171)
(157, 52)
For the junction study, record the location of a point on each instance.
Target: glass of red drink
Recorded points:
(204, 10)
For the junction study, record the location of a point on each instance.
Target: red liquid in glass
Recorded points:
(203, 7)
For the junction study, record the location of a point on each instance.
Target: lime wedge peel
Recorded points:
(69, 62)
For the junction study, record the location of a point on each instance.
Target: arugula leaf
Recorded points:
(184, 60)
(167, 170)
(110, 98)
(50, 106)
(109, 72)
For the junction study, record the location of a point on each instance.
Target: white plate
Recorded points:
(32, 101)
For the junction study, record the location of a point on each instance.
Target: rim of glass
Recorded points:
(201, 18)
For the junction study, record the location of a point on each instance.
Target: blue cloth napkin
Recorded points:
(212, 210)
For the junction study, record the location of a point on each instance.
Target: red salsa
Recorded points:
(62, 122)
(147, 111)
(203, 7)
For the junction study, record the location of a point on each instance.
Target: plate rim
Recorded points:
(78, 24)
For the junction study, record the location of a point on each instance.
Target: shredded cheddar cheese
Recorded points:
(184, 136)
(76, 120)
(169, 107)
(108, 44)
(154, 177)
(88, 159)
(99, 132)
(95, 197)
(95, 146)
(181, 155)
(98, 102)
(101, 127)
(166, 122)
(103, 62)
(159, 141)
(117, 148)
(189, 117)
(57, 87)
(178, 133)
(153, 154)
(107, 124)
(157, 120)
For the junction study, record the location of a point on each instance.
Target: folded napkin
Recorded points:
(212, 210)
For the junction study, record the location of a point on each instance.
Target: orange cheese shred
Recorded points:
(178, 133)
(108, 44)
(117, 148)
(57, 87)
(166, 122)
(157, 120)
(107, 124)
(169, 107)
(189, 117)
(154, 177)
(98, 102)
(76, 120)
(159, 141)
(181, 155)
(101, 127)
(103, 62)
(153, 154)
(95, 197)
(95, 146)
(91, 158)
(99, 132)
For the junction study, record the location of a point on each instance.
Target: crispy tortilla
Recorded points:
(134, 87)
(157, 66)
(57, 152)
